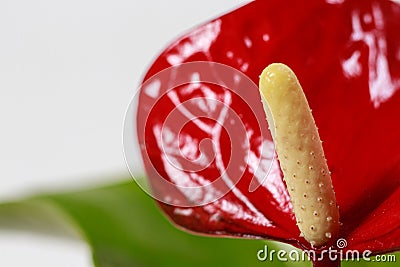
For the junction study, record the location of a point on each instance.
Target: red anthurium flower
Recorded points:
(207, 148)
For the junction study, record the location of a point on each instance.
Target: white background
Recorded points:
(68, 70)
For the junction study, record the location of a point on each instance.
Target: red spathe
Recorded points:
(346, 55)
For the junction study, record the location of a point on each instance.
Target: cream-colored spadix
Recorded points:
(300, 154)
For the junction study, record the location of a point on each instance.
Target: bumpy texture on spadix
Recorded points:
(300, 153)
(347, 56)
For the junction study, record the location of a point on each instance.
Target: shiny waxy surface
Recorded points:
(346, 55)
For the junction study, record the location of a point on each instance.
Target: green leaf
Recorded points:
(124, 227)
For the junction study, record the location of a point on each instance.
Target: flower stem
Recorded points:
(326, 262)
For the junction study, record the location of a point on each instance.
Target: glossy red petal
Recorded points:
(346, 55)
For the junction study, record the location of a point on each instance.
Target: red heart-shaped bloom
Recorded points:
(346, 55)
